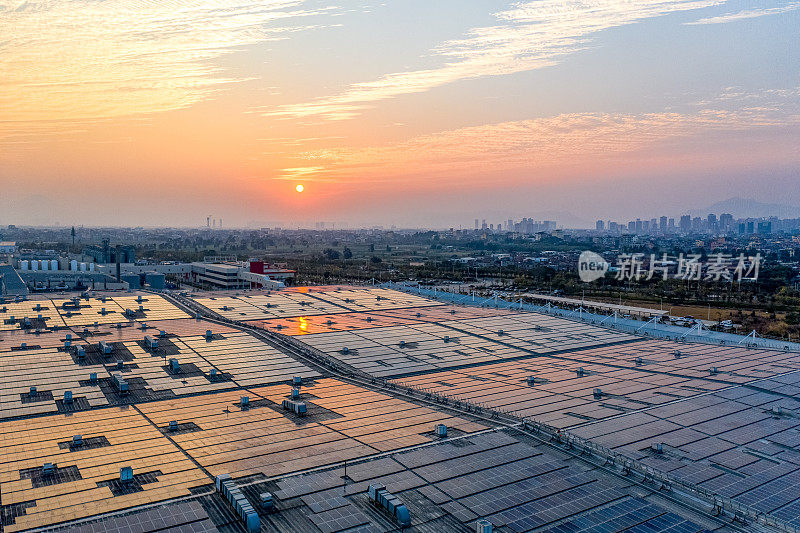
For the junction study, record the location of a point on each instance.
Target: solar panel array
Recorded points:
(238, 359)
(214, 436)
(725, 416)
(412, 348)
(274, 304)
(494, 476)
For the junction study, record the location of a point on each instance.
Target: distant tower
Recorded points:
(73, 236)
(220, 223)
(208, 221)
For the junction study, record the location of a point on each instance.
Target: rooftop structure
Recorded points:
(463, 416)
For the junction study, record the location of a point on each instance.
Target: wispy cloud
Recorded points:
(531, 35)
(84, 60)
(558, 142)
(746, 14)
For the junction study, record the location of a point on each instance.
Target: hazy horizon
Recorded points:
(412, 114)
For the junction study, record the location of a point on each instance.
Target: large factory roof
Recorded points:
(467, 416)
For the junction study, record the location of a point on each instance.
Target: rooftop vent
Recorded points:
(297, 407)
(483, 526)
(500, 332)
(245, 401)
(580, 372)
(77, 441)
(531, 380)
(447, 338)
(126, 474)
(151, 342)
(32, 392)
(657, 447)
(228, 489)
(68, 397)
(295, 394)
(267, 504)
(379, 496)
(713, 371)
(209, 334)
(441, 430)
(173, 425)
(105, 348)
(597, 393)
(120, 383)
(48, 469)
(174, 366)
(297, 381)
(677, 354)
(639, 361)
(212, 373)
(162, 333)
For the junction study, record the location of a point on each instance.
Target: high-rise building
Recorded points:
(662, 223)
(600, 225)
(477, 226)
(686, 223)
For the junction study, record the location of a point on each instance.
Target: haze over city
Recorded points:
(403, 113)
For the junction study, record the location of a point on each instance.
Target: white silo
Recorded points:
(53, 264)
(35, 265)
(83, 267)
(73, 265)
(45, 265)
(91, 267)
(23, 265)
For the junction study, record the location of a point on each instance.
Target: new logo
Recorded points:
(591, 266)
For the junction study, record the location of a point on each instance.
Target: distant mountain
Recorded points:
(749, 208)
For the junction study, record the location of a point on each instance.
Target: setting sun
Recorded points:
(299, 188)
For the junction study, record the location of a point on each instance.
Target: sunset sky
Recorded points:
(410, 113)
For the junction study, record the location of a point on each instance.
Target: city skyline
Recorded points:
(409, 114)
